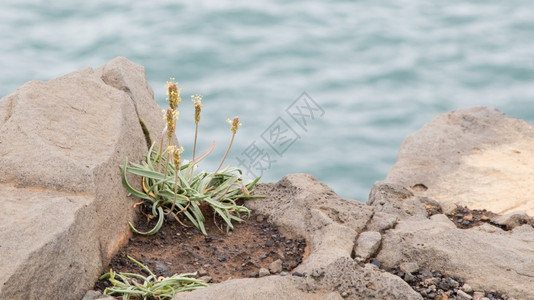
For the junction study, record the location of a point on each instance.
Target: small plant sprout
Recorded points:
(150, 287)
(235, 124)
(178, 190)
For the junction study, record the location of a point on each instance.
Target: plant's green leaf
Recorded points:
(225, 185)
(253, 183)
(153, 230)
(146, 173)
(215, 203)
(141, 265)
(129, 187)
(223, 215)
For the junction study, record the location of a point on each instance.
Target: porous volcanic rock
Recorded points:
(64, 210)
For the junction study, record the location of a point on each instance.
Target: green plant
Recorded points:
(175, 188)
(150, 287)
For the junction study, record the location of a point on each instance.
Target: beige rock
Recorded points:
(342, 277)
(469, 254)
(394, 199)
(270, 287)
(511, 219)
(61, 145)
(382, 221)
(275, 266)
(477, 157)
(367, 244)
(263, 272)
(302, 206)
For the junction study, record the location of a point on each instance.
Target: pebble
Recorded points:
(275, 266)
(96, 295)
(206, 279)
(424, 274)
(467, 288)
(298, 274)
(409, 267)
(253, 274)
(283, 273)
(161, 268)
(463, 295)
(410, 278)
(202, 272)
(259, 218)
(376, 262)
(433, 285)
(263, 272)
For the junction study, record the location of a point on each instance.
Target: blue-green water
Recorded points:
(378, 69)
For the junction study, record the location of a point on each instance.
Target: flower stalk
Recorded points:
(198, 108)
(235, 124)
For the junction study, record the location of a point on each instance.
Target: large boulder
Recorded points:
(64, 211)
(477, 157)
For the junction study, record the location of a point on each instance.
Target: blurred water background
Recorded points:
(379, 69)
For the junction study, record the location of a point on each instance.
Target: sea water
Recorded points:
(329, 88)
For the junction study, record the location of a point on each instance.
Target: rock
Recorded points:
(96, 295)
(343, 278)
(206, 279)
(448, 208)
(62, 144)
(202, 272)
(469, 254)
(275, 266)
(302, 206)
(477, 157)
(382, 221)
(263, 272)
(367, 244)
(467, 288)
(395, 199)
(478, 296)
(489, 228)
(345, 275)
(130, 78)
(463, 295)
(161, 268)
(409, 267)
(270, 287)
(512, 219)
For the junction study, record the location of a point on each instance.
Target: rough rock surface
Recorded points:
(499, 261)
(342, 279)
(367, 244)
(477, 157)
(301, 205)
(61, 145)
(270, 287)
